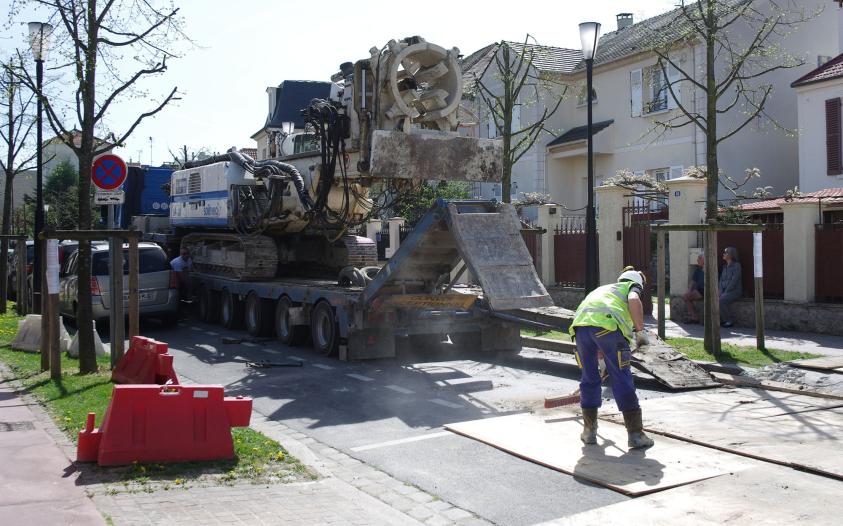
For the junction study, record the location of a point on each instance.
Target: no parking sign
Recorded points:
(108, 171)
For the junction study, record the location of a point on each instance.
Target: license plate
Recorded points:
(142, 296)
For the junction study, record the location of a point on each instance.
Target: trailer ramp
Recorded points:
(485, 236)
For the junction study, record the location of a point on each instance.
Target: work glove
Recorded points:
(641, 339)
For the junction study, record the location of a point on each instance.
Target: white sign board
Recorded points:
(116, 197)
(52, 266)
(756, 253)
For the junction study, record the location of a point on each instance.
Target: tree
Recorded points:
(15, 132)
(108, 47)
(185, 154)
(515, 84)
(741, 41)
(412, 205)
(61, 193)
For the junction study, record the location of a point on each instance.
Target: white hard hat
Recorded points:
(632, 275)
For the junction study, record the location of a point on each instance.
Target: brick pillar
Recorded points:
(611, 202)
(686, 201)
(800, 250)
(548, 219)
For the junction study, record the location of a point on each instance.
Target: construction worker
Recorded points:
(607, 320)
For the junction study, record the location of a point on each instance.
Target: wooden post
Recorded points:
(55, 336)
(23, 294)
(118, 327)
(712, 322)
(45, 325)
(660, 281)
(134, 303)
(758, 273)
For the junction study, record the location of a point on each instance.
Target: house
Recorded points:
(528, 173)
(55, 151)
(818, 104)
(283, 117)
(23, 185)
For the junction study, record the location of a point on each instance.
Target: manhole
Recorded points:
(16, 426)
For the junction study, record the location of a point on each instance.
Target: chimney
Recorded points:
(624, 20)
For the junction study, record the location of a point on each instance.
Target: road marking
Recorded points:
(195, 328)
(212, 333)
(446, 403)
(322, 366)
(360, 377)
(296, 358)
(399, 389)
(402, 441)
(249, 344)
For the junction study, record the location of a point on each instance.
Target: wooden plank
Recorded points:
(782, 428)
(549, 344)
(670, 367)
(758, 495)
(826, 363)
(746, 381)
(553, 441)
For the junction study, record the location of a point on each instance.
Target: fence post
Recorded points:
(686, 196)
(548, 220)
(611, 201)
(660, 281)
(395, 224)
(373, 226)
(800, 216)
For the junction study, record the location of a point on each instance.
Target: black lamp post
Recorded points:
(589, 33)
(39, 41)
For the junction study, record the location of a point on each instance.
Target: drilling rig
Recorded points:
(389, 124)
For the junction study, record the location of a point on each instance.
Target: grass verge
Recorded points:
(258, 459)
(554, 335)
(749, 356)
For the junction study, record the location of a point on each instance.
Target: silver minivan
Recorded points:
(157, 285)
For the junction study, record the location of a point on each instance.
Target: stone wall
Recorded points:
(781, 315)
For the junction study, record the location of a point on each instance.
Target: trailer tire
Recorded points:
(324, 330)
(288, 334)
(259, 315)
(231, 310)
(209, 311)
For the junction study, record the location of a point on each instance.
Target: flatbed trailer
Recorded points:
(414, 295)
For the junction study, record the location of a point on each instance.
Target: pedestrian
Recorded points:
(181, 266)
(731, 285)
(607, 320)
(695, 290)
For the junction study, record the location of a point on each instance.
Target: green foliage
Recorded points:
(750, 356)
(61, 193)
(414, 204)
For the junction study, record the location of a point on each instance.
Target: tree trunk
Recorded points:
(508, 81)
(711, 341)
(8, 188)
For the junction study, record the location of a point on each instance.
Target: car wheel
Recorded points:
(258, 315)
(209, 309)
(323, 329)
(231, 310)
(287, 333)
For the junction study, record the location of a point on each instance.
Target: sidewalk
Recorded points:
(37, 485)
(822, 344)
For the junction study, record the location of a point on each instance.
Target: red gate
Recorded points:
(639, 244)
(569, 252)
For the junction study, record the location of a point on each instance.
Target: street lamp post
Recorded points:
(589, 33)
(39, 41)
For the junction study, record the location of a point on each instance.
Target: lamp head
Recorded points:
(39, 39)
(589, 34)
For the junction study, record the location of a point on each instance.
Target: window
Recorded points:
(581, 96)
(497, 190)
(150, 259)
(650, 91)
(305, 142)
(833, 146)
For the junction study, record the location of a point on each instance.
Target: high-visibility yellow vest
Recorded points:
(606, 307)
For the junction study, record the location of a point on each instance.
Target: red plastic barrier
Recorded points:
(146, 362)
(171, 423)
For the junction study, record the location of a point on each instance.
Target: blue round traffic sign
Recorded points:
(108, 171)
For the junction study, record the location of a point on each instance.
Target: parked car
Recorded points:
(157, 285)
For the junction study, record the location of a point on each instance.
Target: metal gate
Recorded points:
(639, 242)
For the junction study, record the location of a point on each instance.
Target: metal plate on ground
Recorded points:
(670, 367)
(760, 495)
(789, 429)
(553, 440)
(826, 363)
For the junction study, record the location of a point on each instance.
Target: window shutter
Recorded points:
(673, 78)
(676, 171)
(635, 92)
(833, 146)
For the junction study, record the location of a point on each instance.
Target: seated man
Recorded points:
(182, 265)
(695, 291)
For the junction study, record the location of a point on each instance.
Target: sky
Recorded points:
(242, 47)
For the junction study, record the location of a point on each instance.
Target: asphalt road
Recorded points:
(390, 413)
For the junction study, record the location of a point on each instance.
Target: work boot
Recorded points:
(589, 418)
(635, 430)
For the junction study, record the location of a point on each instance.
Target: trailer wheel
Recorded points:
(323, 329)
(209, 311)
(287, 333)
(231, 311)
(258, 315)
